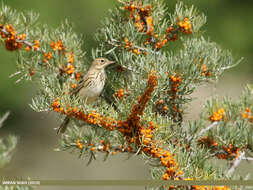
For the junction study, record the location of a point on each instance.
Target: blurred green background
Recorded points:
(229, 23)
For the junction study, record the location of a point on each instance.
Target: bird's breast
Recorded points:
(93, 87)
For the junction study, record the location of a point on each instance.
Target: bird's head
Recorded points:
(101, 63)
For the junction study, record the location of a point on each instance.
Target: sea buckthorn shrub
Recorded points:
(144, 103)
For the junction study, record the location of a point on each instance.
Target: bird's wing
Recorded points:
(82, 83)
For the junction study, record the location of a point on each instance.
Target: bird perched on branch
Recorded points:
(90, 87)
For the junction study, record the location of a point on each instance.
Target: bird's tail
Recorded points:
(64, 125)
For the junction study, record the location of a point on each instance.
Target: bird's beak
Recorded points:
(111, 62)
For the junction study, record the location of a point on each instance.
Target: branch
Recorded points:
(235, 164)
(117, 43)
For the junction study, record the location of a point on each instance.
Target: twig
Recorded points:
(22, 41)
(15, 74)
(247, 158)
(4, 118)
(235, 165)
(121, 2)
(203, 131)
(207, 129)
(118, 44)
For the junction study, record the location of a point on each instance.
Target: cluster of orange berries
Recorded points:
(161, 107)
(78, 75)
(160, 104)
(143, 100)
(185, 25)
(142, 19)
(70, 58)
(144, 22)
(171, 34)
(247, 115)
(218, 115)
(152, 80)
(209, 142)
(74, 85)
(152, 148)
(12, 41)
(230, 152)
(147, 133)
(57, 46)
(47, 57)
(128, 46)
(69, 69)
(158, 42)
(167, 160)
(120, 93)
(91, 118)
(202, 187)
(79, 144)
(36, 45)
(15, 42)
(205, 72)
(133, 121)
(175, 82)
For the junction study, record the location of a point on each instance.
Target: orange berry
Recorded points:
(31, 72)
(247, 109)
(73, 85)
(27, 48)
(203, 67)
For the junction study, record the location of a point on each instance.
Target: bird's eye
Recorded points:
(102, 60)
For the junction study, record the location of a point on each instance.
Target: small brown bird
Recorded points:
(90, 87)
